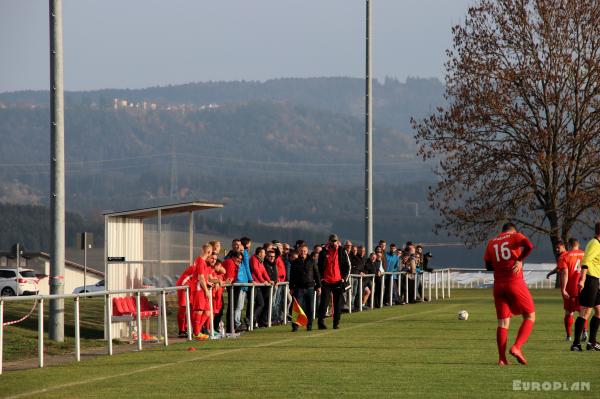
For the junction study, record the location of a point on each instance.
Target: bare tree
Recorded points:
(520, 137)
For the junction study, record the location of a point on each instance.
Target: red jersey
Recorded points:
(503, 251)
(257, 268)
(231, 269)
(186, 278)
(571, 261)
(280, 269)
(200, 268)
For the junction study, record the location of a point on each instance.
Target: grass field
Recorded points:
(418, 350)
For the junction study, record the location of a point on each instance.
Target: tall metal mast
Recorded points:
(368, 139)
(57, 173)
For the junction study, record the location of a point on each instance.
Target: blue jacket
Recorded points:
(392, 262)
(244, 275)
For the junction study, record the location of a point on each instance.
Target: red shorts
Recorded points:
(200, 301)
(571, 304)
(512, 298)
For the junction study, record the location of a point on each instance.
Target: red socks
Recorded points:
(501, 339)
(524, 332)
(181, 319)
(568, 324)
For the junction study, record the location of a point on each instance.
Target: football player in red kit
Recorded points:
(569, 267)
(186, 278)
(504, 255)
(200, 303)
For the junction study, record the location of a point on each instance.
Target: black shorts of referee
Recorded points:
(589, 296)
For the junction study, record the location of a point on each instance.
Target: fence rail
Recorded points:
(441, 282)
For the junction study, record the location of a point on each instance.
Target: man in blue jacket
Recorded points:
(392, 266)
(244, 276)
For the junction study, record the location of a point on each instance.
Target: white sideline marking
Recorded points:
(217, 353)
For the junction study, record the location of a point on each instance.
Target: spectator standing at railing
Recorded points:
(244, 277)
(372, 265)
(334, 269)
(231, 266)
(281, 261)
(380, 256)
(304, 280)
(216, 247)
(347, 251)
(216, 277)
(260, 276)
(410, 267)
(270, 265)
(391, 258)
(357, 266)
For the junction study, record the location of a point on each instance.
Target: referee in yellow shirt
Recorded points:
(589, 294)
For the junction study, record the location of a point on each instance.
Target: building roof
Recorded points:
(165, 210)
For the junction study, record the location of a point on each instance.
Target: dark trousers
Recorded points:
(377, 291)
(233, 296)
(260, 315)
(337, 304)
(305, 297)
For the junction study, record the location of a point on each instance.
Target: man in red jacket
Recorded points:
(334, 269)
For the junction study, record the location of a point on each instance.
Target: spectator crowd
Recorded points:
(329, 273)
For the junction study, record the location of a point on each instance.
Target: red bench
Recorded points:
(124, 308)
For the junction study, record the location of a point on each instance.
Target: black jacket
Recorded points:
(343, 261)
(357, 264)
(371, 267)
(271, 269)
(304, 274)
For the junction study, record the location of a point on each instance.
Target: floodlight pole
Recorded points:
(368, 138)
(57, 174)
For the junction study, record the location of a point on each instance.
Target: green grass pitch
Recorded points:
(419, 350)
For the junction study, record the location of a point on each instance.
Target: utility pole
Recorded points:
(368, 139)
(57, 174)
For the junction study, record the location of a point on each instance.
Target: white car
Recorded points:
(18, 282)
(99, 286)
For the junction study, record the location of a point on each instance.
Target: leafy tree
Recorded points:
(519, 138)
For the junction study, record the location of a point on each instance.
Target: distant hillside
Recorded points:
(394, 101)
(284, 155)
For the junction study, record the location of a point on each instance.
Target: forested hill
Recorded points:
(283, 154)
(394, 101)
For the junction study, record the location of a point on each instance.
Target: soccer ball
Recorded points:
(463, 315)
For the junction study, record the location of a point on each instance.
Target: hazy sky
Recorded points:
(140, 43)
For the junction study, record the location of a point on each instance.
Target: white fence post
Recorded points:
(188, 313)
(429, 284)
(315, 305)
(286, 292)
(436, 285)
(211, 314)
(163, 302)
(360, 293)
(41, 333)
(138, 318)
(391, 289)
(449, 283)
(382, 290)
(372, 296)
(270, 305)
(77, 331)
(108, 311)
(251, 327)
(443, 286)
(350, 295)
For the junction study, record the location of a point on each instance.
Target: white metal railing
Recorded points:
(107, 311)
(482, 278)
(421, 280)
(441, 281)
